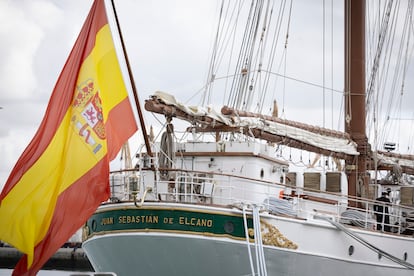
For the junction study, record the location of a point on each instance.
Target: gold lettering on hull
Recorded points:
(196, 222)
(138, 219)
(107, 221)
(168, 220)
(154, 219)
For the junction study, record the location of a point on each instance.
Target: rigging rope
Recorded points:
(392, 58)
(240, 88)
(272, 53)
(246, 231)
(382, 36)
(210, 74)
(260, 258)
(256, 59)
(258, 241)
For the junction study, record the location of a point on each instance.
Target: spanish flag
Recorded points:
(63, 174)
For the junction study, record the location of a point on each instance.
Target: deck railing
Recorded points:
(201, 187)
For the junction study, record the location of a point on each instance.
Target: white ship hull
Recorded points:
(180, 247)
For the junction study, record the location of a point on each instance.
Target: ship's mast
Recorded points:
(355, 94)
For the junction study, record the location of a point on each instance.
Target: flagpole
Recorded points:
(131, 78)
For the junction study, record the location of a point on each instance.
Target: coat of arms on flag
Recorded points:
(88, 117)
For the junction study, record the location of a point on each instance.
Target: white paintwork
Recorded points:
(322, 250)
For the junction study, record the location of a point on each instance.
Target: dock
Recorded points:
(66, 258)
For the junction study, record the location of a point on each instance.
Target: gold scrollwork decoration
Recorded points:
(272, 236)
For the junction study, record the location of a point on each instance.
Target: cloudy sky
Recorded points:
(37, 36)
(168, 43)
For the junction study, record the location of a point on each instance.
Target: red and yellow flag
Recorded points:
(63, 175)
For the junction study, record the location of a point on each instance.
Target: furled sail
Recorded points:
(296, 135)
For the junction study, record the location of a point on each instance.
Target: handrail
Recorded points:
(188, 186)
(303, 189)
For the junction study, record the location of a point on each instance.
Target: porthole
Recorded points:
(351, 250)
(229, 227)
(379, 256)
(93, 225)
(261, 173)
(405, 256)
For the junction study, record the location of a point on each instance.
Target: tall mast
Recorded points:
(355, 94)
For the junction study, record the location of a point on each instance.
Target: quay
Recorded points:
(66, 258)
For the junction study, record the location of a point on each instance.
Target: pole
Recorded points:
(134, 89)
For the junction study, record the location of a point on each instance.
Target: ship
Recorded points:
(240, 189)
